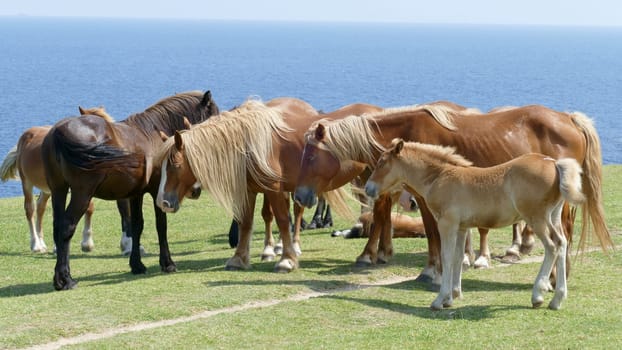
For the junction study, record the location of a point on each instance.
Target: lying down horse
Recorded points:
(532, 187)
(24, 162)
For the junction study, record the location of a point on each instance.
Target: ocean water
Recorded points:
(50, 66)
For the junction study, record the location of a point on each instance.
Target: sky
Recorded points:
(526, 12)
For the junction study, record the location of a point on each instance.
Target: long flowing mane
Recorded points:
(225, 149)
(353, 137)
(435, 154)
(167, 114)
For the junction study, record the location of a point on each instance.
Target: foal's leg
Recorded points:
(87, 243)
(542, 284)
(448, 236)
(512, 254)
(241, 258)
(269, 250)
(561, 243)
(456, 291)
(433, 269)
(381, 213)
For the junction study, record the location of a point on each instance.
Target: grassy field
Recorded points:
(326, 303)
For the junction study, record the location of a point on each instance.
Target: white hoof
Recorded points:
(126, 246)
(87, 245)
(285, 266)
(466, 262)
(268, 254)
(482, 263)
(278, 248)
(237, 263)
(297, 249)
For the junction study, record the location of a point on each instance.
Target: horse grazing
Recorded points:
(259, 147)
(532, 187)
(93, 157)
(24, 162)
(486, 139)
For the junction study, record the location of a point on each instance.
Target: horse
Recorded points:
(93, 157)
(484, 138)
(24, 162)
(532, 187)
(259, 146)
(404, 226)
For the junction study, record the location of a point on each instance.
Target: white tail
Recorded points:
(570, 180)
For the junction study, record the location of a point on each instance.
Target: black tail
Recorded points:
(93, 156)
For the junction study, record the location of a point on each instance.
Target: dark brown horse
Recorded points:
(93, 157)
(259, 146)
(486, 139)
(24, 162)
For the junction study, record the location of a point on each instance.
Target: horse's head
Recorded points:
(320, 168)
(177, 180)
(384, 178)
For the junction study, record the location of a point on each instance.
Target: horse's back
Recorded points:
(29, 159)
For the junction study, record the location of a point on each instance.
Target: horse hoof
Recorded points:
(87, 248)
(139, 270)
(510, 258)
(267, 257)
(423, 279)
(235, 263)
(363, 261)
(285, 266)
(169, 268)
(65, 284)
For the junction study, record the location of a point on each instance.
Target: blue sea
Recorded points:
(50, 66)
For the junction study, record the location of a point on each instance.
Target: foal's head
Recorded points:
(385, 177)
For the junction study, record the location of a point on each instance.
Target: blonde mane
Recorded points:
(224, 149)
(444, 115)
(350, 138)
(97, 111)
(434, 153)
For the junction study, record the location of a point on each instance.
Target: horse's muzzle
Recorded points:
(167, 205)
(305, 196)
(371, 189)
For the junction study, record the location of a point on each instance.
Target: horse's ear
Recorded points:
(187, 124)
(320, 132)
(179, 143)
(207, 98)
(163, 136)
(82, 111)
(397, 145)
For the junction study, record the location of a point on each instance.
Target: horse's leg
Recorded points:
(280, 207)
(456, 281)
(316, 222)
(298, 211)
(432, 272)
(449, 238)
(123, 206)
(87, 243)
(327, 220)
(468, 254)
(542, 283)
(385, 246)
(234, 234)
(483, 259)
(166, 262)
(513, 253)
(559, 238)
(269, 250)
(65, 222)
(29, 210)
(136, 230)
(369, 255)
(241, 258)
(42, 202)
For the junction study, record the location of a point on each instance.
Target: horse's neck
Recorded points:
(420, 173)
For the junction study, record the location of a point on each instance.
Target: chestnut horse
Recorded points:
(531, 187)
(259, 147)
(24, 162)
(486, 139)
(93, 157)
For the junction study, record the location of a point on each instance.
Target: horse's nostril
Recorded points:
(166, 204)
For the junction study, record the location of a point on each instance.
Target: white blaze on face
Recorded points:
(163, 179)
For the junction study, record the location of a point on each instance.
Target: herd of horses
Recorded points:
(284, 148)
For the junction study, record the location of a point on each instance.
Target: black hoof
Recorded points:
(138, 270)
(233, 268)
(169, 268)
(65, 284)
(362, 264)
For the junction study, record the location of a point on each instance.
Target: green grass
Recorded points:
(495, 311)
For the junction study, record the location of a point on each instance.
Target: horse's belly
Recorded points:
(119, 187)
